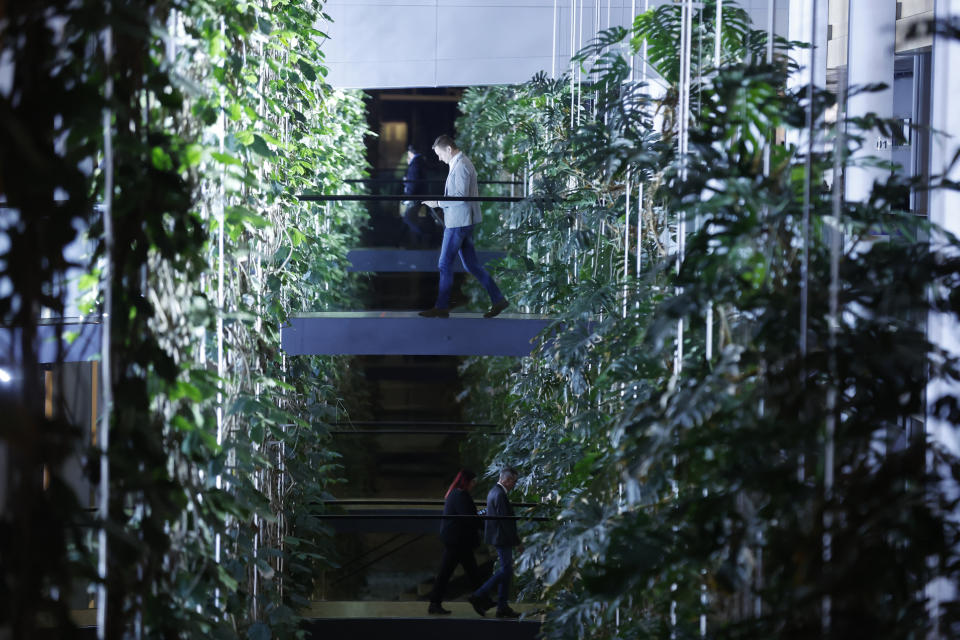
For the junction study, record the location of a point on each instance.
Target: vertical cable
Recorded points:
(717, 52)
(683, 117)
(553, 49)
(633, 57)
(807, 179)
(704, 597)
(833, 322)
(771, 13)
(594, 72)
(717, 35)
(626, 244)
(103, 437)
(686, 23)
(639, 260)
(573, 71)
(646, 92)
(221, 220)
(579, 70)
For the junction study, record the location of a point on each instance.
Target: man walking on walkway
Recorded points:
(502, 534)
(459, 219)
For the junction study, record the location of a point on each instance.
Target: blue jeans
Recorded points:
(460, 240)
(501, 577)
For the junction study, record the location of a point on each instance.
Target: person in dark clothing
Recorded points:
(415, 183)
(502, 534)
(460, 537)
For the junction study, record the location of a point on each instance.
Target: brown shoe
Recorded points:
(434, 312)
(497, 308)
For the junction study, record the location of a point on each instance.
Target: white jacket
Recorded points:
(461, 181)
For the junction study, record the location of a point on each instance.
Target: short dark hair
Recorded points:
(411, 149)
(444, 141)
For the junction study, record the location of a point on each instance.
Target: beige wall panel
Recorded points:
(914, 32)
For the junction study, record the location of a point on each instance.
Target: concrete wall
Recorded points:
(386, 44)
(871, 42)
(379, 44)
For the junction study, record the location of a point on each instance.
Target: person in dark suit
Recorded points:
(415, 183)
(460, 537)
(502, 534)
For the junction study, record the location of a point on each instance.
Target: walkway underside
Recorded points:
(406, 333)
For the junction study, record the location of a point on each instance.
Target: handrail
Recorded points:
(59, 320)
(417, 501)
(418, 423)
(400, 180)
(413, 432)
(421, 516)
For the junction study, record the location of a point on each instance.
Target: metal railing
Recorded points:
(354, 197)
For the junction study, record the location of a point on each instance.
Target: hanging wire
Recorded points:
(103, 437)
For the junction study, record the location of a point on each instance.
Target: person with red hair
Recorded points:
(460, 537)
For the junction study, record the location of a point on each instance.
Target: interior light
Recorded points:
(5, 376)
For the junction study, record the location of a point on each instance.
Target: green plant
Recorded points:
(693, 484)
(218, 454)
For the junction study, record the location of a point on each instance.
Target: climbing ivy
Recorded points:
(691, 485)
(218, 454)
